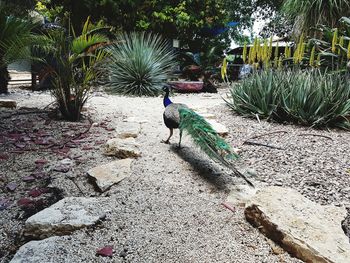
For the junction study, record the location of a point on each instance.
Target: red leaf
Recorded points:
(86, 148)
(229, 206)
(105, 251)
(11, 186)
(38, 174)
(25, 139)
(41, 161)
(3, 156)
(61, 168)
(20, 145)
(37, 192)
(41, 142)
(28, 178)
(25, 202)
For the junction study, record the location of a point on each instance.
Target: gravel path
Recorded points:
(170, 209)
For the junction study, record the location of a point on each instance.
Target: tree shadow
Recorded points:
(204, 167)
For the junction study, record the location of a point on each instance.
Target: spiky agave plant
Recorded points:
(140, 63)
(316, 99)
(256, 95)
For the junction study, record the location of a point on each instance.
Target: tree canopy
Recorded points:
(179, 19)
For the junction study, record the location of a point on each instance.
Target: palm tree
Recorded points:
(310, 13)
(76, 68)
(15, 42)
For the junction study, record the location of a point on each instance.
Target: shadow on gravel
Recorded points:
(205, 168)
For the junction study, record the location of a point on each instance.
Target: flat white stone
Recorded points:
(309, 231)
(64, 217)
(122, 148)
(111, 173)
(128, 129)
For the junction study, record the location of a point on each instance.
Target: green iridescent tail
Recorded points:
(207, 139)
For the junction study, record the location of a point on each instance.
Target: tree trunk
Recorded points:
(4, 79)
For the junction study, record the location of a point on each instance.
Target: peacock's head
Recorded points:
(166, 88)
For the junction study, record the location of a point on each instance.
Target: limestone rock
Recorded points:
(220, 128)
(128, 129)
(109, 174)
(5, 103)
(57, 249)
(240, 194)
(122, 148)
(64, 217)
(305, 229)
(36, 251)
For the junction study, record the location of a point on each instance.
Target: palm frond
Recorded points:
(207, 139)
(84, 42)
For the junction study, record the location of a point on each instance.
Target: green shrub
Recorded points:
(139, 65)
(317, 99)
(257, 95)
(308, 97)
(76, 67)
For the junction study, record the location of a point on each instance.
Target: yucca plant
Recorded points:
(76, 67)
(256, 95)
(140, 64)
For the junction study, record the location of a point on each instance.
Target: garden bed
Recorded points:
(170, 209)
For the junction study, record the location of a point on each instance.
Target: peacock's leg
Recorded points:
(180, 139)
(171, 134)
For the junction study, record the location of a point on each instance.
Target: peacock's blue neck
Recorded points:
(166, 100)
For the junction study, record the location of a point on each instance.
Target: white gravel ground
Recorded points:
(170, 209)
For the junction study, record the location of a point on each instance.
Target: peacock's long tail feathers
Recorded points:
(208, 140)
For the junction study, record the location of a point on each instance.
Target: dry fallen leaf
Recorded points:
(106, 251)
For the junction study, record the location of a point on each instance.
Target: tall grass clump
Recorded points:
(311, 97)
(140, 63)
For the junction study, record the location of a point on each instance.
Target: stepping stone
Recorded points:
(54, 250)
(112, 173)
(307, 230)
(37, 251)
(220, 129)
(5, 103)
(64, 217)
(122, 148)
(128, 129)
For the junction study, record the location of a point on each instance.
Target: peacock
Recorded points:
(178, 115)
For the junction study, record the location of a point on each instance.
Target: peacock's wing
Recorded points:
(208, 140)
(171, 115)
